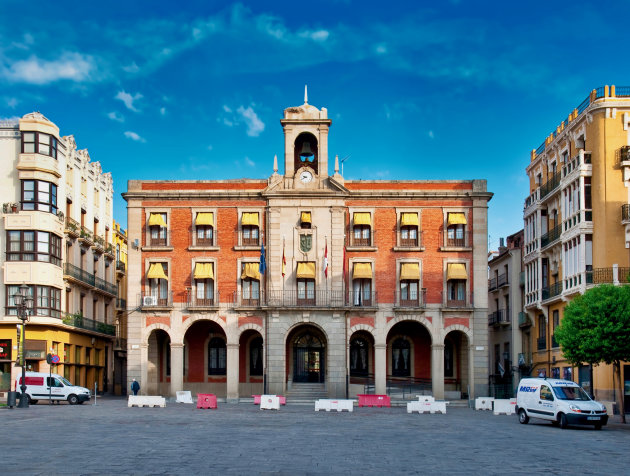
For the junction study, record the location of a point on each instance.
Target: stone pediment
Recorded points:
(281, 185)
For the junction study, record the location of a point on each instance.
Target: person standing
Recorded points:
(135, 386)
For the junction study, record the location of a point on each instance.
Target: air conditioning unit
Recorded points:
(149, 301)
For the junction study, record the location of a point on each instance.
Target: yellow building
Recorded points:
(120, 343)
(577, 225)
(56, 226)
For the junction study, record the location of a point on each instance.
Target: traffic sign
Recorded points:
(55, 359)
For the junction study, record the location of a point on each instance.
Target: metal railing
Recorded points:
(554, 343)
(105, 286)
(552, 291)
(502, 280)
(72, 226)
(551, 236)
(502, 316)
(523, 319)
(77, 320)
(78, 273)
(120, 266)
(599, 276)
(193, 301)
(455, 303)
(121, 303)
(409, 242)
(419, 301)
(360, 241)
(541, 343)
(550, 185)
(625, 212)
(458, 241)
(120, 343)
(492, 284)
(86, 235)
(623, 275)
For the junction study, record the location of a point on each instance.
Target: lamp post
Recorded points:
(23, 303)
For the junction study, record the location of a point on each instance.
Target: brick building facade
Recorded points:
(366, 285)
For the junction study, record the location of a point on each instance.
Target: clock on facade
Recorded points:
(306, 176)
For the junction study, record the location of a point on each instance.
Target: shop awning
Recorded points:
(305, 217)
(205, 218)
(456, 219)
(361, 218)
(156, 271)
(204, 271)
(249, 219)
(409, 219)
(410, 271)
(456, 271)
(156, 219)
(306, 270)
(251, 270)
(362, 271)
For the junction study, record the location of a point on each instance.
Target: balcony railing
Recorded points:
(105, 286)
(599, 276)
(77, 320)
(120, 343)
(419, 301)
(554, 344)
(550, 185)
(492, 284)
(552, 291)
(72, 227)
(502, 280)
(360, 241)
(455, 303)
(523, 319)
(120, 266)
(541, 343)
(500, 317)
(625, 212)
(406, 242)
(86, 236)
(212, 301)
(455, 241)
(551, 236)
(521, 278)
(78, 273)
(121, 303)
(148, 300)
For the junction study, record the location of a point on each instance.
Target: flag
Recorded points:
(263, 265)
(284, 262)
(326, 261)
(501, 370)
(344, 264)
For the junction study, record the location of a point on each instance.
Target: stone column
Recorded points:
(144, 369)
(177, 368)
(380, 369)
(437, 371)
(232, 372)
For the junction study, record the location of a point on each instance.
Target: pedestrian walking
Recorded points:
(135, 386)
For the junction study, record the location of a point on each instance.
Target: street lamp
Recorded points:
(23, 302)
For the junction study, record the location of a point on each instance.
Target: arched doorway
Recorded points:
(251, 363)
(456, 364)
(159, 363)
(205, 358)
(308, 351)
(409, 359)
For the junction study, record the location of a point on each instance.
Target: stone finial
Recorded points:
(305, 94)
(336, 164)
(275, 164)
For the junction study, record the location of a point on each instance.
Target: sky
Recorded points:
(448, 90)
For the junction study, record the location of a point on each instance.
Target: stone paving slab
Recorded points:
(111, 438)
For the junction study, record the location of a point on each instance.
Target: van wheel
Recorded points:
(562, 420)
(73, 399)
(522, 417)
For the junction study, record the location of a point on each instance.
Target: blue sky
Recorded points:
(417, 90)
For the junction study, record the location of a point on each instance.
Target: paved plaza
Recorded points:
(110, 438)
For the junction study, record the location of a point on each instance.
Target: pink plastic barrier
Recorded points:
(374, 401)
(283, 400)
(206, 400)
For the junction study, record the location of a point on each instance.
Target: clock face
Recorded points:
(306, 177)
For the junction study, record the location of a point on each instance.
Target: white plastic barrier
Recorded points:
(425, 398)
(184, 397)
(269, 402)
(322, 404)
(504, 406)
(426, 407)
(341, 405)
(484, 403)
(146, 400)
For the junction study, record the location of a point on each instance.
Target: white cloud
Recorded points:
(12, 102)
(133, 136)
(318, 35)
(431, 135)
(209, 147)
(163, 111)
(128, 99)
(250, 162)
(74, 67)
(131, 68)
(254, 125)
(114, 116)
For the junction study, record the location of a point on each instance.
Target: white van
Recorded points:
(560, 401)
(40, 385)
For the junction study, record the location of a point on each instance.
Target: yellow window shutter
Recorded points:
(249, 219)
(306, 270)
(156, 271)
(205, 218)
(251, 270)
(305, 217)
(456, 219)
(361, 218)
(409, 219)
(456, 271)
(204, 271)
(156, 219)
(410, 271)
(362, 271)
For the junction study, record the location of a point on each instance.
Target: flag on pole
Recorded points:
(262, 267)
(344, 264)
(284, 262)
(326, 261)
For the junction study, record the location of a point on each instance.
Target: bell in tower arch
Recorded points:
(306, 151)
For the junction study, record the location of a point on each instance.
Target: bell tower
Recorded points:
(305, 144)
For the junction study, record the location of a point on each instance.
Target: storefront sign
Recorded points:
(5, 349)
(34, 354)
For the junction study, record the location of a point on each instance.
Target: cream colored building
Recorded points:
(577, 226)
(56, 238)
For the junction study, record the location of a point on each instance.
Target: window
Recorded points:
(39, 195)
(77, 355)
(409, 284)
(204, 229)
(216, 356)
(456, 277)
(361, 229)
(157, 229)
(306, 283)
(455, 230)
(250, 228)
(359, 365)
(40, 143)
(46, 301)
(409, 229)
(250, 284)
(401, 351)
(362, 284)
(255, 356)
(158, 282)
(449, 358)
(545, 393)
(204, 284)
(33, 246)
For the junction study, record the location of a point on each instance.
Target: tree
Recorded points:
(596, 328)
